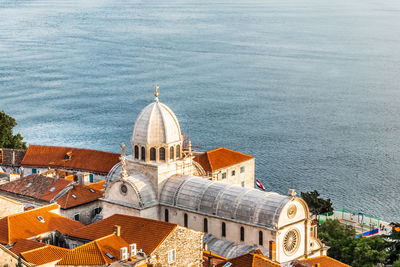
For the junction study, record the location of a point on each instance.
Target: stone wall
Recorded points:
(7, 258)
(84, 211)
(9, 206)
(187, 244)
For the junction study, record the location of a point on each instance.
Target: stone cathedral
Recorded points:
(160, 180)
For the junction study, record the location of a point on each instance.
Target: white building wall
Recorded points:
(196, 222)
(245, 178)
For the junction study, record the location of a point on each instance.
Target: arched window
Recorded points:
(185, 220)
(162, 153)
(223, 229)
(171, 152)
(178, 151)
(205, 230)
(152, 153)
(136, 152)
(260, 238)
(166, 215)
(143, 156)
(242, 233)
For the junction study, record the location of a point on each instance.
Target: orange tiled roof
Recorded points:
(78, 195)
(97, 186)
(324, 261)
(22, 245)
(251, 260)
(27, 224)
(36, 186)
(210, 259)
(133, 230)
(220, 158)
(81, 159)
(44, 255)
(96, 252)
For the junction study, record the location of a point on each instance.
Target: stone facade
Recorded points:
(9, 206)
(85, 211)
(9, 259)
(187, 245)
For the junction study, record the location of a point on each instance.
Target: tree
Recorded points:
(339, 238)
(7, 139)
(394, 244)
(345, 247)
(316, 204)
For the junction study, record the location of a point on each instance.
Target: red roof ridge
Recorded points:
(165, 237)
(44, 247)
(45, 208)
(66, 147)
(99, 249)
(220, 148)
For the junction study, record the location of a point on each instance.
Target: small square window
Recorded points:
(74, 245)
(223, 175)
(76, 217)
(171, 256)
(242, 169)
(233, 173)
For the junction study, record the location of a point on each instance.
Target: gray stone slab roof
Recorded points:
(231, 202)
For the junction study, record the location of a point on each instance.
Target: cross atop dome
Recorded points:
(156, 92)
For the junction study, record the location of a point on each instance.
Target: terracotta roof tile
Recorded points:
(102, 251)
(97, 186)
(211, 259)
(324, 261)
(36, 186)
(29, 224)
(250, 260)
(44, 255)
(220, 158)
(81, 159)
(22, 245)
(78, 195)
(133, 230)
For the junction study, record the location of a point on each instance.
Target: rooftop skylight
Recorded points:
(91, 190)
(29, 184)
(109, 255)
(41, 219)
(74, 196)
(52, 189)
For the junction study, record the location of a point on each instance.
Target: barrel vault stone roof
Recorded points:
(231, 202)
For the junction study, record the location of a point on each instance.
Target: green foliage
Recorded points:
(394, 244)
(316, 204)
(346, 248)
(397, 262)
(7, 139)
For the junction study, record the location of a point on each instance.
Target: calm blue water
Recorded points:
(310, 88)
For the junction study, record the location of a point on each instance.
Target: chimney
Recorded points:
(272, 250)
(117, 230)
(13, 157)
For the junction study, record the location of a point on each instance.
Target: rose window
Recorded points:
(291, 241)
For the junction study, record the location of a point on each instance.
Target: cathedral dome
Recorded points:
(157, 135)
(156, 125)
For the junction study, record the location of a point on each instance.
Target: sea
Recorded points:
(310, 88)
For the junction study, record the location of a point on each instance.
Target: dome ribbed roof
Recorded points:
(156, 124)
